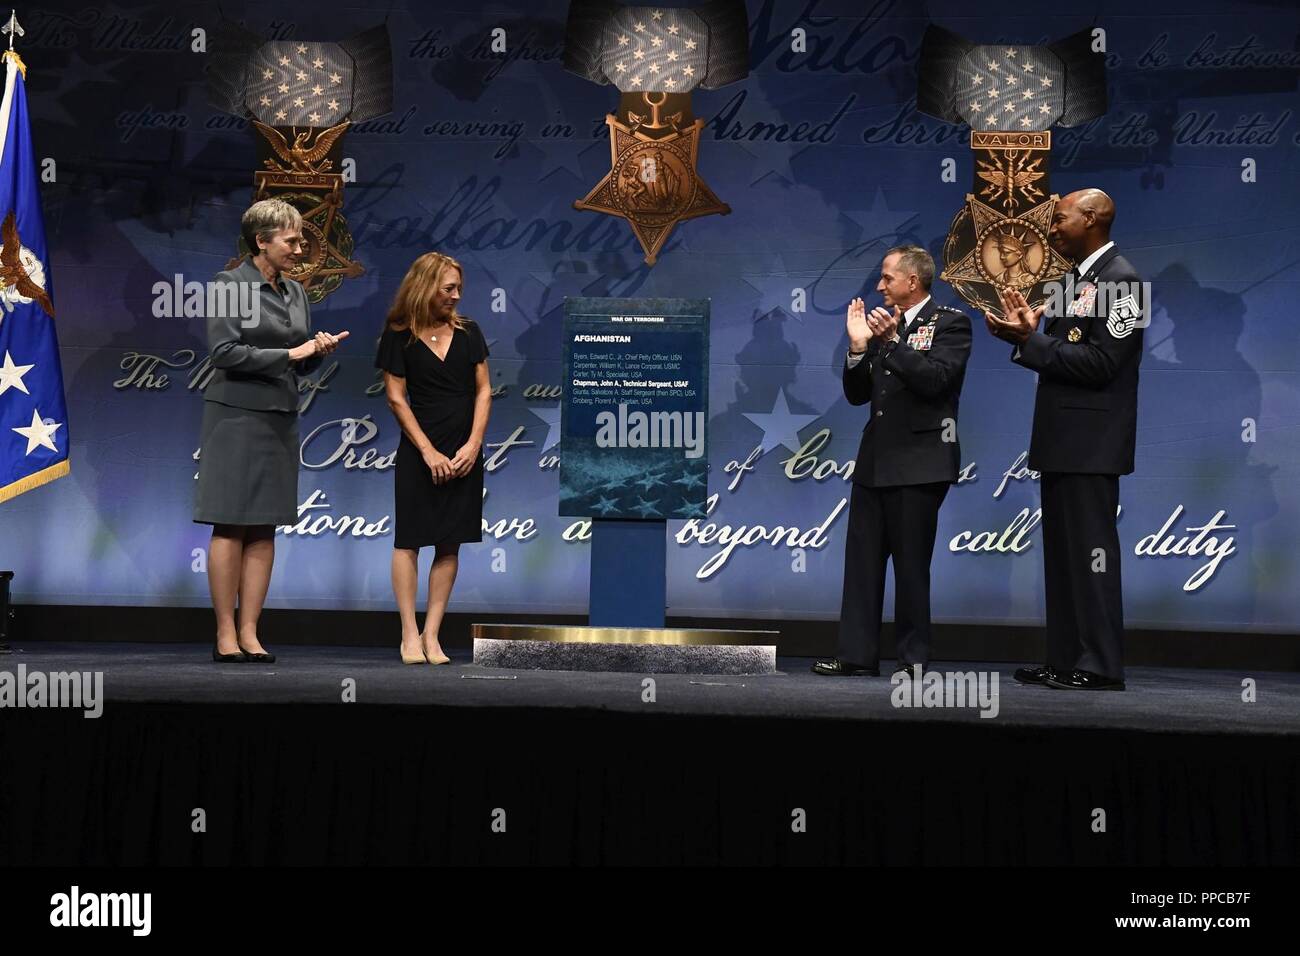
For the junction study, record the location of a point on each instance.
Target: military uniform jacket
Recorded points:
(1085, 412)
(912, 387)
(251, 367)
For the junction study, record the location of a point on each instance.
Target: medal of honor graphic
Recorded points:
(655, 57)
(1009, 95)
(301, 97)
(301, 176)
(652, 183)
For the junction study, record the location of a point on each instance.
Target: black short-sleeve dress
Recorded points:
(441, 393)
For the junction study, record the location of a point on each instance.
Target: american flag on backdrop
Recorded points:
(33, 412)
(1010, 88)
(300, 84)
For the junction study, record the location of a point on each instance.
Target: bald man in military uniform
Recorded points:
(1084, 437)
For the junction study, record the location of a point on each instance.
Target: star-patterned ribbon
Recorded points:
(296, 83)
(1010, 88)
(648, 49)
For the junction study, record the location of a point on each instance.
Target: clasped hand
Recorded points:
(326, 343)
(322, 343)
(459, 465)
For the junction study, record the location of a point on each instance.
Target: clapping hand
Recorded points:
(857, 327)
(1018, 321)
(883, 325)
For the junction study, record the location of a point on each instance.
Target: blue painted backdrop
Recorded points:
(482, 158)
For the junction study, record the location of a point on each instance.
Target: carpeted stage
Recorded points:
(586, 771)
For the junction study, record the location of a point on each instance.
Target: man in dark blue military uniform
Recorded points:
(1084, 436)
(909, 364)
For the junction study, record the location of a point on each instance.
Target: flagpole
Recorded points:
(15, 29)
(5, 613)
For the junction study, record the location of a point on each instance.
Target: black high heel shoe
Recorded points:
(238, 657)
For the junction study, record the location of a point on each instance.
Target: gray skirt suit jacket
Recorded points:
(248, 455)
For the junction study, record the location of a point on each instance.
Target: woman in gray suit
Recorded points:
(260, 338)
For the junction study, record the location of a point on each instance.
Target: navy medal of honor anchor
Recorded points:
(655, 57)
(302, 96)
(652, 183)
(1009, 95)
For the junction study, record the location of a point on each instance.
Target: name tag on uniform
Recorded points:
(922, 338)
(1082, 305)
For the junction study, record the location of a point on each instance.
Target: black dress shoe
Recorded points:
(1084, 680)
(235, 658)
(261, 658)
(909, 670)
(1034, 675)
(838, 668)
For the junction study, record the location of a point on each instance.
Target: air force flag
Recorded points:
(33, 414)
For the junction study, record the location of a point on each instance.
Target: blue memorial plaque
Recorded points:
(635, 408)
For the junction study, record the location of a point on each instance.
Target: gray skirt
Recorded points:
(248, 467)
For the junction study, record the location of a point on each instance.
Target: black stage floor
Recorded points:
(788, 768)
(1157, 699)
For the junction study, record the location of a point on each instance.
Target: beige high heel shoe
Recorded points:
(418, 659)
(441, 659)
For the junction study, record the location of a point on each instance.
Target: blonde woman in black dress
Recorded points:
(436, 379)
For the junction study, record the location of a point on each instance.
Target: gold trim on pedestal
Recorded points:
(578, 634)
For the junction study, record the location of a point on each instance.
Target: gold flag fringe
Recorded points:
(42, 477)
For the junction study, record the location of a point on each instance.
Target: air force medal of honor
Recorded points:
(1009, 95)
(302, 96)
(655, 57)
